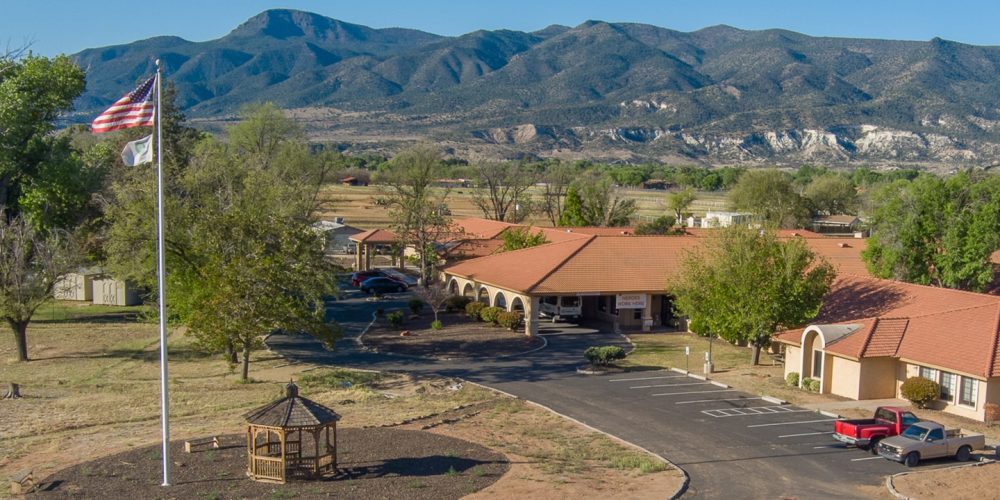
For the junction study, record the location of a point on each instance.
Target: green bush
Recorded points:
(435, 325)
(792, 379)
(604, 355)
(395, 319)
(472, 309)
(920, 391)
(456, 303)
(490, 314)
(415, 305)
(510, 320)
(815, 385)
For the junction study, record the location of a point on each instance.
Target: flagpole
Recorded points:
(161, 280)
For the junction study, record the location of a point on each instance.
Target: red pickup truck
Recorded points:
(866, 433)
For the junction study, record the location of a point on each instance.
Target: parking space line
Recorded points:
(804, 434)
(691, 392)
(713, 400)
(749, 411)
(666, 385)
(794, 423)
(866, 458)
(645, 378)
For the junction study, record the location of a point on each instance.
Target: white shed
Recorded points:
(76, 286)
(109, 291)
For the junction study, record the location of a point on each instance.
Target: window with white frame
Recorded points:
(817, 364)
(968, 394)
(928, 373)
(948, 382)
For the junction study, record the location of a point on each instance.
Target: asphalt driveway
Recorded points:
(732, 444)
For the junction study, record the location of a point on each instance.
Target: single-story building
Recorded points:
(603, 274)
(715, 219)
(873, 334)
(337, 235)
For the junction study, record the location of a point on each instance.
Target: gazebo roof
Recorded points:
(292, 411)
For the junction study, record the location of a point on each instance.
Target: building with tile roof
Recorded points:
(605, 274)
(873, 334)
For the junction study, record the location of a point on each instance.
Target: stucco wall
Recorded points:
(842, 376)
(793, 360)
(878, 378)
(977, 413)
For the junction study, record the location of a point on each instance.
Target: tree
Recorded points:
(413, 206)
(31, 263)
(593, 201)
(748, 284)
(267, 273)
(832, 194)
(557, 182)
(936, 232)
(680, 201)
(34, 91)
(436, 295)
(501, 191)
(770, 195)
(662, 225)
(572, 210)
(516, 238)
(237, 208)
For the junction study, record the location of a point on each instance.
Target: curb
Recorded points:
(361, 344)
(892, 489)
(829, 414)
(676, 494)
(678, 370)
(776, 401)
(630, 343)
(718, 384)
(699, 377)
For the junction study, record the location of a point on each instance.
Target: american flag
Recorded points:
(136, 109)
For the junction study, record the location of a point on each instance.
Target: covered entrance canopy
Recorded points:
(369, 242)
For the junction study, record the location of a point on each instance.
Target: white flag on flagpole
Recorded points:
(138, 152)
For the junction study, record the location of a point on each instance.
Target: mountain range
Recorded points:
(608, 91)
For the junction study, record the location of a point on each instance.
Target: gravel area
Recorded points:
(460, 337)
(380, 463)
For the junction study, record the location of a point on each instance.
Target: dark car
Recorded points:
(381, 284)
(360, 276)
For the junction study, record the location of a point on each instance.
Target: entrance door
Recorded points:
(666, 310)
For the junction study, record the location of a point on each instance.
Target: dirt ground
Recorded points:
(92, 390)
(982, 482)
(460, 337)
(372, 463)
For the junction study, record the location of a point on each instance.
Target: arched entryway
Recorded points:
(812, 355)
(484, 296)
(469, 291)
(453, 286)
(500, 301)
(516, 305)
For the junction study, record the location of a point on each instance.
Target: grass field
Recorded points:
(356, 204)
(92, 389)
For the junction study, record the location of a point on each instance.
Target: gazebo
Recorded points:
(291, 437)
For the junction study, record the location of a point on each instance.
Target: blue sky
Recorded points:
(68, 26)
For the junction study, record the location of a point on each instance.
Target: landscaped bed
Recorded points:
(459, 337)
(373, 463)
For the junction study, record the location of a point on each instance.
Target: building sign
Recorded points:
(631, 301)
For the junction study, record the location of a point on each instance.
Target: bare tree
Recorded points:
(502, 191)
(414, 207)
(557, 182)
(30, 266)
(436, 296)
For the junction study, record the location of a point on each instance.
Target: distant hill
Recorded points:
(612, 91)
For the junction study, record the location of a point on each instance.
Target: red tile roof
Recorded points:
(951, 329)
(519, 270)
(476, 228)
(375, 236)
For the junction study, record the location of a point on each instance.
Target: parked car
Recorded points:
(380, 284)
(930, 440)
(560, 306)
(358, 277)
(866, 433)
(395, 274)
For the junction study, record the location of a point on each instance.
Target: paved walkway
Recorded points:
(866, 404)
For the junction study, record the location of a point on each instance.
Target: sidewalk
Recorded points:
(865, 404)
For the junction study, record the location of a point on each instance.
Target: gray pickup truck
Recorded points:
(930, 440)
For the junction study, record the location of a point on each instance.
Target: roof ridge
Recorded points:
(868, 338)
(906, 283)
(947, 311)
(561, 263)
(992, 360)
